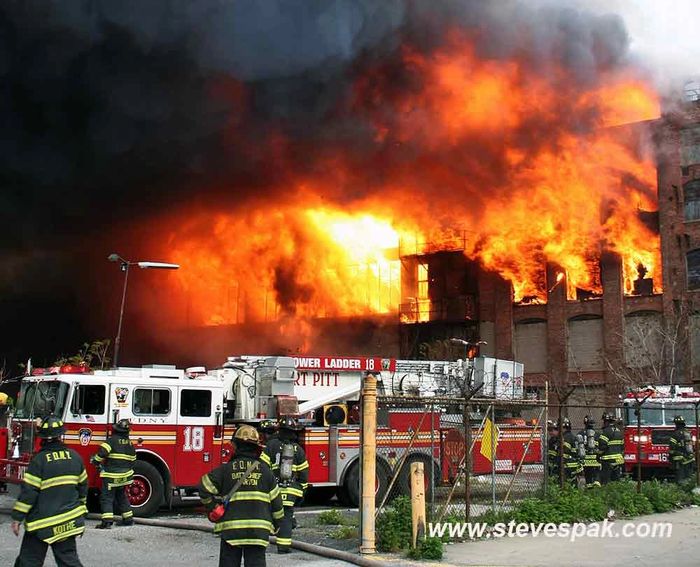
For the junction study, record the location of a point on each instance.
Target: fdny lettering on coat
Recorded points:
(58, 456)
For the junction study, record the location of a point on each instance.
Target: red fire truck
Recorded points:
(661, 405)
(182, 420)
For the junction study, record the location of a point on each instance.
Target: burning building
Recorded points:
(493, 200)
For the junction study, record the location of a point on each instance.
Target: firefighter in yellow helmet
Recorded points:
(244, 501)
(115, 460)
(287, 459)
(52, 500)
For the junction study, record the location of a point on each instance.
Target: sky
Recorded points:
(663, 34)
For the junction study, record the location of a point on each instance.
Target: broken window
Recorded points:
(691, 196)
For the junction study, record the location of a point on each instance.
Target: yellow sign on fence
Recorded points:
(489, 440)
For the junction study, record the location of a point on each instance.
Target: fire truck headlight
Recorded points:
(640, 438)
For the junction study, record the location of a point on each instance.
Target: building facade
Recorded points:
(595, 344)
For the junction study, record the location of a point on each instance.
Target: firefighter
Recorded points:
(588, 439)
(552, 449)
(680, 450)
(573, 464)
(115, 460)
(254, 509)
(269, 429)
(52, 501)
(610, 450)
(288, 462)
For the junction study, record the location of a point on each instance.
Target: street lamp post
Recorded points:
(124, 267)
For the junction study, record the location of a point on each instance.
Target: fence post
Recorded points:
(697, 446)
(545, 436)
(369, 463)
(417, 502)
(467, 460)
(493, 457)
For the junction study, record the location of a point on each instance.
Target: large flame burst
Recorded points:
(532, 167)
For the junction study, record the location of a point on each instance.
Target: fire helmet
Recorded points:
(565, 423)
(679, 420)
(51, 427)
(267, 426)
(122, 426)
(247, 434)
(588, 422)
(608, 417)
(289, 423)
(551, 425)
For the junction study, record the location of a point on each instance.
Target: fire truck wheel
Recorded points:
(146, 492)
(351, 486)
(405, 475)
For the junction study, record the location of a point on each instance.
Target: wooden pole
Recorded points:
(417, 502)
(369, 463)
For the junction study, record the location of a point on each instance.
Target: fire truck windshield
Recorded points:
(661, 414)
(38, 399)
(650, 415)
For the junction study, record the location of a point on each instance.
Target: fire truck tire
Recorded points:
(147, 490)
(404, 479)
(351, 486)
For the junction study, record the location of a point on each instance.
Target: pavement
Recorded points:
(147, 545)
(682, 549)
(164, 547)
(152, 546)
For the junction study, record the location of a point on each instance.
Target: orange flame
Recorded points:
(535, 167)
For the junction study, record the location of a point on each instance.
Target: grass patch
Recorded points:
(345, 532)
(393, 528)
(569, 504)
(330, 518)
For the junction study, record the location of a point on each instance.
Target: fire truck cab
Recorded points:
(177, 423)
(656, 414)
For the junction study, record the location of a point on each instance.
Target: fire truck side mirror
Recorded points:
(218, 430)
(75, 402)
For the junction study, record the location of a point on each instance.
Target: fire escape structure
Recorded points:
(439, 294)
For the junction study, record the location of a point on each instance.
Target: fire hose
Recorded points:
(300, 545)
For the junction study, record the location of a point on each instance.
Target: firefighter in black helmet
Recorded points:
(115, 460)
(251, 503)
(680, 450)
(288, 462)
(588, 439)
(573, 465)
(52, 500)
(611, 450)
(268, 428)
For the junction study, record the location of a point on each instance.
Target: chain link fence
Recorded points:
(506, 461)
